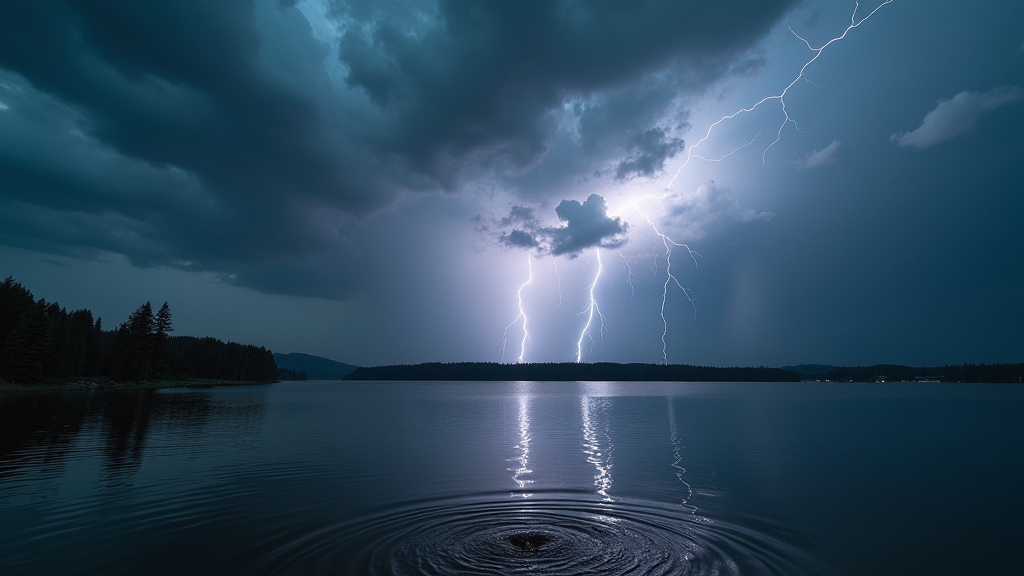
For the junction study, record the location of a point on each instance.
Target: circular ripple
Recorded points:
(556, 533)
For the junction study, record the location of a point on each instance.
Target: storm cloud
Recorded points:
(587, 225)
(254, 139)
(582, 225)
(649, 151)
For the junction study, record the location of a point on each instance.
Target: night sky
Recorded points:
(374, 181)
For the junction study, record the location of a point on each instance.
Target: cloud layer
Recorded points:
(253, 139)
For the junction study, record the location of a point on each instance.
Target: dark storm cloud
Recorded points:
(228, 137)
(648, 152)
(520, 239)
(582, 225)
(465, 76)
(519, 214)
(587, 225)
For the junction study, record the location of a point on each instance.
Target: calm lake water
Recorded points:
(515, 478)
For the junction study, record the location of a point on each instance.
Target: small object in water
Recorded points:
(529, 542)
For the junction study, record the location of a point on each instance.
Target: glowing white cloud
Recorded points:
(955, 116)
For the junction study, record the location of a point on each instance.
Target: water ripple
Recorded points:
(552, 533)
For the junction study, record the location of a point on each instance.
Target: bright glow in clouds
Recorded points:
(581, 222)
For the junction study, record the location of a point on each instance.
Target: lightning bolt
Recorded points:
(558, 282)
(781, 96)
(590, 310)
(718, 161)
(671, 278)
(668, 243)
(522, 314)
(630, 277)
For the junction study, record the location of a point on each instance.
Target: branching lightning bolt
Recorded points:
(590, 310)
(630, 277)
(718, 161)
(670, 278)
(558, 282)
(668, 243)
(781, 96)
(522, 314)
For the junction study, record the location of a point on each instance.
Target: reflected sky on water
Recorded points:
(342, 477)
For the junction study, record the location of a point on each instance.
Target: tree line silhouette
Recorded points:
(41, 341)
(572, 371)
(608, 371)
(989, 373)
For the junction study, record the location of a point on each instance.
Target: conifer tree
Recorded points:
(162, 326)
(133, 345)
(24, 352)
(15, 300)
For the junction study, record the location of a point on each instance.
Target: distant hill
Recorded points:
(315, 367)
(810, 369)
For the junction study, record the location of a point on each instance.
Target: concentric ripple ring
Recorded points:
(562, 533)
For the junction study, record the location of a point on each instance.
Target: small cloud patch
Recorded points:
(826, 155)
(955, 116)
(520, 239)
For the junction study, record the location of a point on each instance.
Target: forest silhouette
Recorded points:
(41, 341)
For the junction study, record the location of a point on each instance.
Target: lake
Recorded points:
(515, 478)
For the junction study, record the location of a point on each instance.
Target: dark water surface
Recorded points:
(515, 478)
